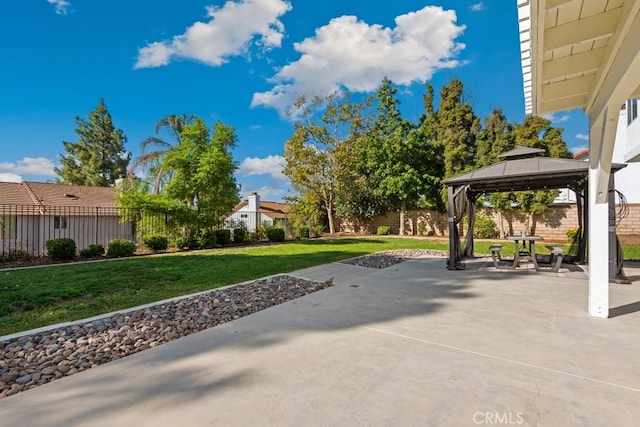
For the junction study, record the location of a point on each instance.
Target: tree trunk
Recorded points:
(500, 225)
(533, 224)
(330, 218)
(403, 212)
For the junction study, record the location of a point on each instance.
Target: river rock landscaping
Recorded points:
(389, 258)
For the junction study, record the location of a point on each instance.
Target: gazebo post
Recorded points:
(471, 219)
(453, 241)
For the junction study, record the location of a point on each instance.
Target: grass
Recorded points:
(31, 298)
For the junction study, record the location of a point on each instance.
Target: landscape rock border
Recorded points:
(388, 258)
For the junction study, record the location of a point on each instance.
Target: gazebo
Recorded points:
(520, 169)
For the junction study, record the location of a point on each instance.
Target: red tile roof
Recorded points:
(50, 194)
(581, 154)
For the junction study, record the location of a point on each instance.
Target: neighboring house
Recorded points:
(626, 150)
(254, 213)
(33, 212)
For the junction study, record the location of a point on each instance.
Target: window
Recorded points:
(59, 222)
(8, 227)
(632, 110)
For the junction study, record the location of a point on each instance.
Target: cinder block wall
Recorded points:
(553, 225)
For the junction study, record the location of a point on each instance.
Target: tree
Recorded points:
(396, 154)
(495, 139)
(152, 160)
(537, 132)
(317, 154)
(99, 157)
(457, 129)
(202, 168)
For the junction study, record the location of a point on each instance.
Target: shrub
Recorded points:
(302, 232)
(422, 227)
(239, 235)
(182, 242)
(484, 227)
(156, 242)
(382, 230)
(572, 234)
(201, 238)
(223, 236)
(62, 249)
(121, 248)
(275, 235)
(96, 249)
(92, 251)
(317, 230)
(15, 255)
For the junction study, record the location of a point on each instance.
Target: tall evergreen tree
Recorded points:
(458, 126)
(99, 157)
(396, 155)
(495, 139)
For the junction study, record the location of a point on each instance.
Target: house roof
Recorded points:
(13, 193)
(266, 207)
(50, 194)
(581, 154)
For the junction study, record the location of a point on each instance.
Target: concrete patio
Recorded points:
(413, 344)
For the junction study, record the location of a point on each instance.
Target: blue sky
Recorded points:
(241, 62)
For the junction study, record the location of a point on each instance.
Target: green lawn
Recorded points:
(37, 297)
(32, 298)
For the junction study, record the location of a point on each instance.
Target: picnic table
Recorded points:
(525, 246)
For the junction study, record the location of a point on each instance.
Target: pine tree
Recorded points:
(99, 157)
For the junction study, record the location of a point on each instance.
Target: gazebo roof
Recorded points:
(532, 173)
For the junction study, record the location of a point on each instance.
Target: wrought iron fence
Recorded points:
(26, 228)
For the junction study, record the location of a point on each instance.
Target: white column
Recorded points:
(602, 132)
(598, 250)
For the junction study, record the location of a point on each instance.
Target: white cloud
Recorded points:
(352, 54)
(60, 6)
(40, 166)
(230, 31)
(556, 119)
(582, 136)
(271, 165)
(477, 7)
(10, 177)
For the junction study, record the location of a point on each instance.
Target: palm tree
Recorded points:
(152, 160)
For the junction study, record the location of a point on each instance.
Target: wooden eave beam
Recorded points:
(582, 63)
(567, 88)
(584, 30)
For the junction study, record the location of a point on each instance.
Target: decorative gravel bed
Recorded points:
(389, 258)
(36, 359)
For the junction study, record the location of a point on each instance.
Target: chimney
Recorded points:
(254, 202)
